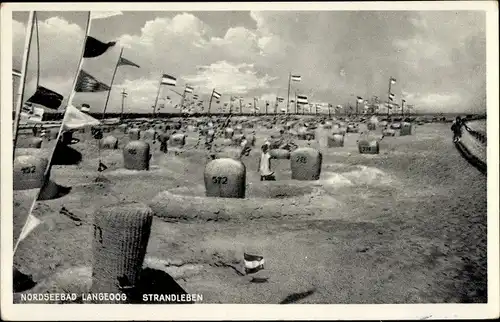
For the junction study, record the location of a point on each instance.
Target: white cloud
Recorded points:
(228, 78)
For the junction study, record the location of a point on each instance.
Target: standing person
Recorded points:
(265, 164)
(456, 127)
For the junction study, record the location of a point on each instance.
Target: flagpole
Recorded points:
(288, 97)
(210, 102)
(46, 176)
(388, 96)
(241, 111)
(22, 83)
(157, 95)
(402, 108)
(111, 85)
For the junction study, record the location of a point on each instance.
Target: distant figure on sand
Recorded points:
(245, 147)
(456, 127)
(265, 164)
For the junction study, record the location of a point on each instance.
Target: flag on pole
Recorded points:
(95, 48)
(339, 106)
(296, 78)
(75, 119)
(403, 100)
(189, 89)
(126, 62)
(302, 99)
(104, 14)
(360, 99)
(87, 83)
(168, 80)
(16, 73)
(393, 80)
(391, 96)
(31, 223)
(216, 94)
(281, 99)
(46, 97)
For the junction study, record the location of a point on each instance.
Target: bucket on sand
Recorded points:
(305, 164)
(29, 172)
(225, 178)
(136, 155)
(121, 235)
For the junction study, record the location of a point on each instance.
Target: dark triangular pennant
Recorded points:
(88, 83)
(95, 48)
(124, 62)
(46, 97)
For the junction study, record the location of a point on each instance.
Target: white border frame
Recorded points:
(78, 312)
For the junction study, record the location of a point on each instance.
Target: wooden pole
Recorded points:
(111, 85)
(124, 94)
(157, 95)
(210, 102)
(288, 95)
(22, 83)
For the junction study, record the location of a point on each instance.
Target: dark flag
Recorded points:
(46, 97)
(95, 48)
(124, 61)
(87, 83)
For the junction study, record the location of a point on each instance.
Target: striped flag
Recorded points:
(16, 73)
(339, 106)
(189, 89)
(281, 99)
(296, 78)
(95, 48)
(393, 80)
(301, 99)
(168, 80)
(391, 96)
(360, 99)
(126, 62)
(216, 94)
(87, 83)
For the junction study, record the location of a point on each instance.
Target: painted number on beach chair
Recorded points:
(219, 180)
(301, 159)
(27, 170)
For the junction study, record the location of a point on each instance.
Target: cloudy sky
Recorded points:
(437, 57)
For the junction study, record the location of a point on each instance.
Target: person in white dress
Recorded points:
(265, 164)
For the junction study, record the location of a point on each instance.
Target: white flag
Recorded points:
(31, 223)
(76, 119)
